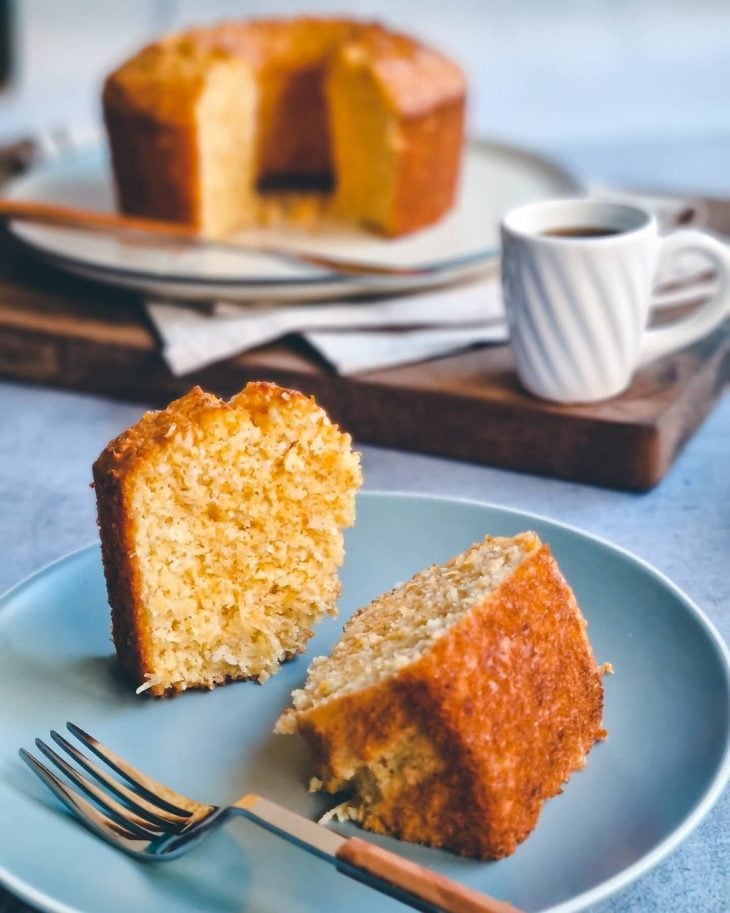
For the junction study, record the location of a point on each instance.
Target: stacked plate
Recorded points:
(495, 178)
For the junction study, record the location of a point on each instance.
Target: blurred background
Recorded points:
(628, 92)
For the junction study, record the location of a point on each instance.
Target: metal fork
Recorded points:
(152, 822)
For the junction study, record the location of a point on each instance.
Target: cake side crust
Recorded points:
(120, 572)
(113, 473)
(428, 167)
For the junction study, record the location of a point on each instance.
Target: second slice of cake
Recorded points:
(221, 527)
(455, 704)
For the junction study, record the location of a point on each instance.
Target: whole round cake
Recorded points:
(203, 125)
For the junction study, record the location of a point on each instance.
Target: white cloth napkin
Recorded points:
(355, 336)
(352, 336)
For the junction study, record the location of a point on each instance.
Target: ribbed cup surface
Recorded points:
(577, 310)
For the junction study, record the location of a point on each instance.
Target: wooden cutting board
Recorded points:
(67, 332)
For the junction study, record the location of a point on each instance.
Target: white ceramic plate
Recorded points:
(495, 178)
(643, 790)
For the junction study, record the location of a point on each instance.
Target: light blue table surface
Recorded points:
(48, 440)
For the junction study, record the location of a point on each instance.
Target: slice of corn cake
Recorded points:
(453, 706)
(221, 529)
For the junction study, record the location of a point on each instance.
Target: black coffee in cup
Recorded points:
(581, 231)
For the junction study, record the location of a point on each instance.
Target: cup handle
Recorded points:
(663, 340)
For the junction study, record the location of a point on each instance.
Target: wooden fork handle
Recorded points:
(119, 225)
(411, 878)
(93, 220)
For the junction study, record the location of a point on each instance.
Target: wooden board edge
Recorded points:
(623, 456)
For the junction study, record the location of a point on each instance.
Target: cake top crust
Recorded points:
(165, 78)
(158, 428)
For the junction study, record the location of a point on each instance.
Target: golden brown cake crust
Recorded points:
(121, 578)
(162, 78)
(431, 158)
(169, 193)
(508, 703)
(149, 112)
(149, 109)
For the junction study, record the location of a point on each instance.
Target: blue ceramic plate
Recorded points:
(644, 789)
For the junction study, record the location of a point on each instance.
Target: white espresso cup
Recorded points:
(578, 305)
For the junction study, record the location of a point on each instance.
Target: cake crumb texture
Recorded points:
(221, 527)
(453, 706)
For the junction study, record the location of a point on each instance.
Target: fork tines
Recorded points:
(127, 808)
